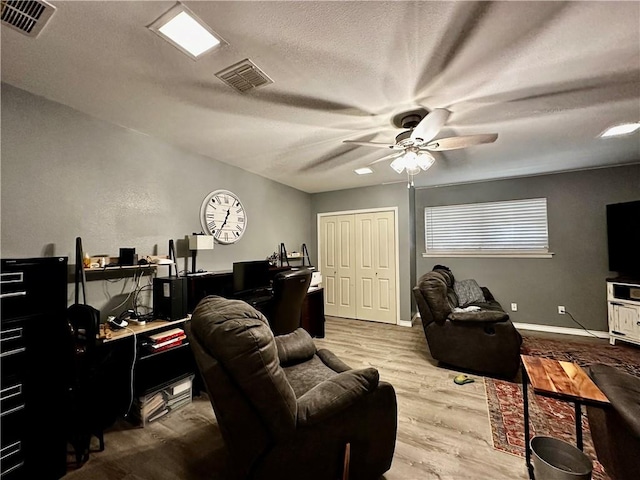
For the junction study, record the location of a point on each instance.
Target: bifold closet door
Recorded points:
(375, 267)
(337, 238)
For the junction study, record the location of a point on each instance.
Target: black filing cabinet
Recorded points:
(35, 355)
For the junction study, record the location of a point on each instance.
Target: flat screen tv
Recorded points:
(248, 276)
(623, 232)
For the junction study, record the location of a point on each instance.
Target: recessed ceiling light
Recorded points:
(185, 31)
(623, 129)
(363, 171)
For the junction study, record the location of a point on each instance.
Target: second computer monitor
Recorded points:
(249, 276)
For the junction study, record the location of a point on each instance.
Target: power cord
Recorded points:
(135, 353)
(583, 327)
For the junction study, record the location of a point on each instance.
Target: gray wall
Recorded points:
(576, 275)
(395, 195)
(66, 174)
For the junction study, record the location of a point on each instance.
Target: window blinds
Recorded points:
(516, 226)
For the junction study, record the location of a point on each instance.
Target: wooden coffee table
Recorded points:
(565, 381)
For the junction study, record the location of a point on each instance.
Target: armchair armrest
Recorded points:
(335, 395)
(295, 347)
(332, 361)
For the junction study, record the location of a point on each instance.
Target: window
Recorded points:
(515, 228)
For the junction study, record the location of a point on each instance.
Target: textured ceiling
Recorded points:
(548, 77)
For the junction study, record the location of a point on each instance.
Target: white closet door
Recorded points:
(337, 236)
(329, 263)
(346, 266)
(375, 267)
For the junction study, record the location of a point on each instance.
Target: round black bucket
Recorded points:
(555, 459)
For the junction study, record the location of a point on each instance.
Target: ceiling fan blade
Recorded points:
(453, 143)
(431, 124)
(388, 157)
(374, 144)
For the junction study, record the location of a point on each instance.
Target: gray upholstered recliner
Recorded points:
(483, 341)
(615, 429)
(285, 409)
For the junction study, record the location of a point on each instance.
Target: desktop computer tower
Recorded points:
(170, 298)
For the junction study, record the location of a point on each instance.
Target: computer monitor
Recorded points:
(248, 276)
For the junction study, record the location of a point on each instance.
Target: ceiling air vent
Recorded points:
(244, 76)
(28, 17)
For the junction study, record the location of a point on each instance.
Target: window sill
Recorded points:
(488, 255)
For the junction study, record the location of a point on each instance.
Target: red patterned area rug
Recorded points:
(548, 416)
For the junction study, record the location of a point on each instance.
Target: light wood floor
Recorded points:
(443, 428)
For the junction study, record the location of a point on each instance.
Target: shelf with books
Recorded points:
(157, 403)
(159, 342)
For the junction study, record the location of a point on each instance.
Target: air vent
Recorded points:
(244, 76)
(27, 17)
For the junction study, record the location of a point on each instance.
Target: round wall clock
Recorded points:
(223, 216)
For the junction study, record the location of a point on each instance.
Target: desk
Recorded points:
(150, 327)
(565, 381)
(221, 283)
(150, 369)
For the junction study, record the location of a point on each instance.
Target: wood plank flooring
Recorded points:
(443, 428)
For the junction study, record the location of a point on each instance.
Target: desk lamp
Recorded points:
(199, 242)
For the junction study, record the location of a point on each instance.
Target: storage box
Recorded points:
(162, 401)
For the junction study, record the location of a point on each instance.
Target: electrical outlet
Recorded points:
(514, 307)
(561, 310)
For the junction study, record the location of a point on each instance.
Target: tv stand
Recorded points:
(623, 305)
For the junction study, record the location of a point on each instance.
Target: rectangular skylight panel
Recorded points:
(363, 171)
(189, 34)
(185, 31)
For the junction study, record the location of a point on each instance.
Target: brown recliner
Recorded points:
(483, 341)
(285, 409)
(615, 429)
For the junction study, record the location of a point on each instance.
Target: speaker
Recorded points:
(127, 256)
(170, 298)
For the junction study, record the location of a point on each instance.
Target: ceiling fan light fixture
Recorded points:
(425, 160)
(413, 170)
(623, 129)
(398, 164)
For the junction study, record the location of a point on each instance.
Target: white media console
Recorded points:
(623, 299)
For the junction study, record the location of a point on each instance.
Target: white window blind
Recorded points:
(516, 227)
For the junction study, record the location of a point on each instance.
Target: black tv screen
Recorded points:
(249, 276)
(623, 232)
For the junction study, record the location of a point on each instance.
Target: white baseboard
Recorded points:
(405, 323)
(562, 330)
(551, 329)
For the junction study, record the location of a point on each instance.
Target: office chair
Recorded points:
(289, 291)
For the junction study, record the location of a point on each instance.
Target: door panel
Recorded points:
(346, 266)
(359, 265)
(328, 266)
(337, 264)
(375, 268)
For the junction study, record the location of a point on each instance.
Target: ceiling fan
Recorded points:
(415, 144)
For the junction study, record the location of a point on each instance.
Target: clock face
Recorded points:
(223, 216)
